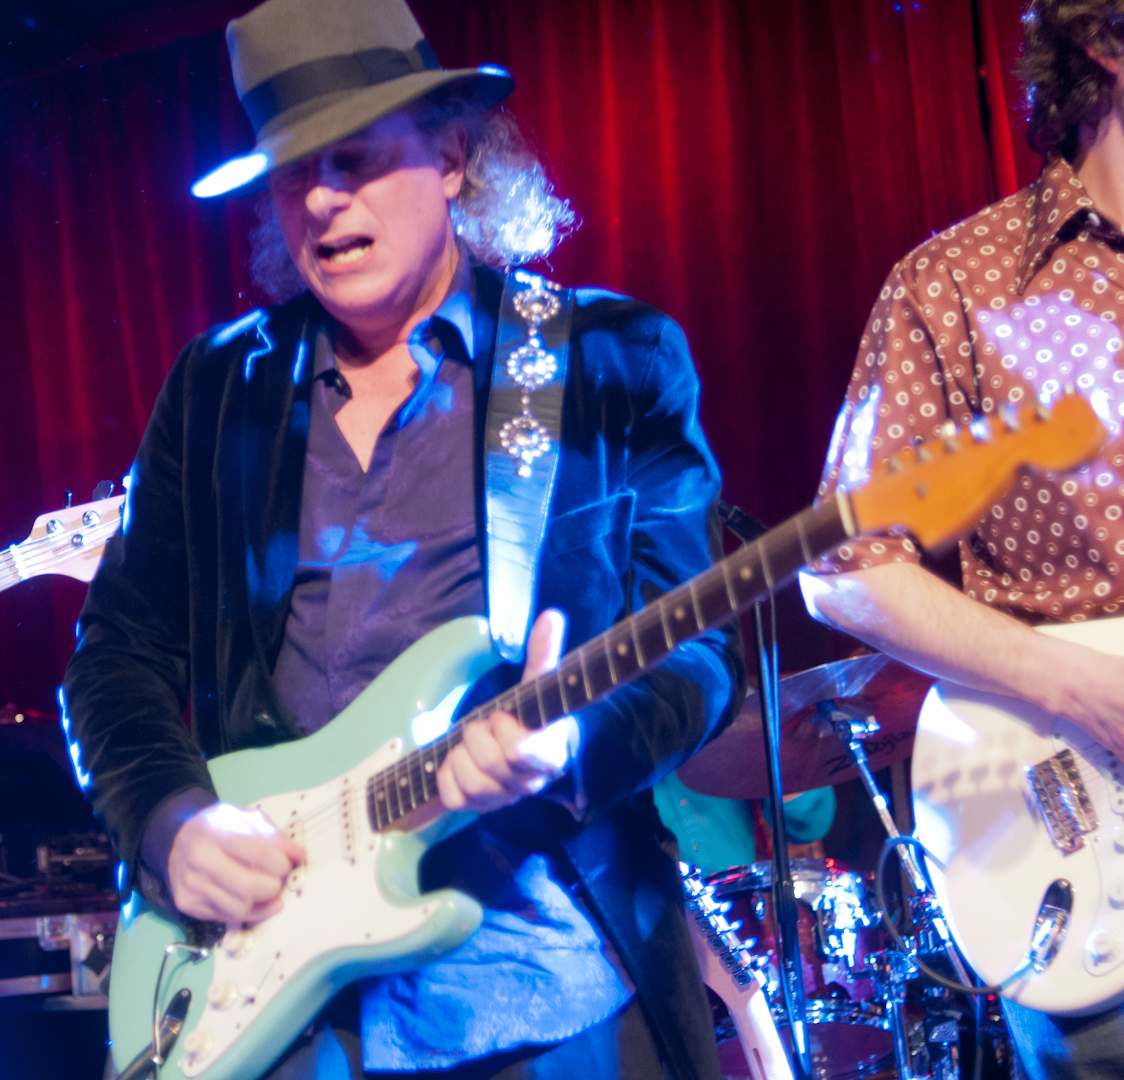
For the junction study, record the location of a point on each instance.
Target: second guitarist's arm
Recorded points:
(909, 613)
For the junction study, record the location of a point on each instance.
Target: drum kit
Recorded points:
(875, 1005)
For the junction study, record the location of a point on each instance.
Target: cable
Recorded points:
(892, 844)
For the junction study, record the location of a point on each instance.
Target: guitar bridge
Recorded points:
(1064, 803)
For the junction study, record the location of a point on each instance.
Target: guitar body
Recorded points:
(352, 910)
(976, 813)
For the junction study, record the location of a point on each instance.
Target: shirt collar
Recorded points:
(1058, 197)
(455, 310)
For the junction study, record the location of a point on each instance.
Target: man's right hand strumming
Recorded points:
(229, 865)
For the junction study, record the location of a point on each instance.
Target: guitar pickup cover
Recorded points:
(1057, 788)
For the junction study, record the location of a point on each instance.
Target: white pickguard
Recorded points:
(332, 902)
(975, 813)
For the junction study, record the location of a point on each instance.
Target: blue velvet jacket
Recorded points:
(190, 603)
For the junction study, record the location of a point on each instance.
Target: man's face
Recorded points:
(366, 220)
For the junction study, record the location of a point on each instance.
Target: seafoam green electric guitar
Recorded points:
(361, 795)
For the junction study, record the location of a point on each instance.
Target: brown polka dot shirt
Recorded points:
(1014, 305)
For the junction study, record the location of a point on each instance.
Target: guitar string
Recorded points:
(1091, 776)
(57, 549)
(313, 818)
(112, 523)
(413, 762)
(316, 823)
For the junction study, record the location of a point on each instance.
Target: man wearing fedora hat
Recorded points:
(417, 433)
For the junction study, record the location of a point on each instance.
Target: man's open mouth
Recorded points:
(342, 252)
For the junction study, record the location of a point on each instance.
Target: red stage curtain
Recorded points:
(752, 168)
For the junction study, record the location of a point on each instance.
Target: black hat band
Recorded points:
(352, 71)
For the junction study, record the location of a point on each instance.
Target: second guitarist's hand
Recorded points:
(494, 765)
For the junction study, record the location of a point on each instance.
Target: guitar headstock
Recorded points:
(942, 487)
(70, 540)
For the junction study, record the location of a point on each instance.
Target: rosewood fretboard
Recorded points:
(625, 651)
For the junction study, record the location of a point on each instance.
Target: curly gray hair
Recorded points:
(506, 213)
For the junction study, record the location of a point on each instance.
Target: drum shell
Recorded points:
(848, 1029)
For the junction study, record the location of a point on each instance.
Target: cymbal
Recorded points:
(733, 765)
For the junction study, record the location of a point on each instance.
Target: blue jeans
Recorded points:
(1067, 1047)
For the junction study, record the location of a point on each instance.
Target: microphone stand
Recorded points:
(785, 912)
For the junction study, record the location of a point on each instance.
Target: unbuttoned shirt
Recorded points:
(1010, 307)
(385, 556)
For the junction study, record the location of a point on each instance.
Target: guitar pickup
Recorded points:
(1062, 800)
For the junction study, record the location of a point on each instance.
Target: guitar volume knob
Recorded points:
(238, 943)
(198, 1045)
(1103, 946)
(223, 995)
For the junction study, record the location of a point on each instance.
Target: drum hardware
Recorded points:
(733, 765)
(852, 726)
(848, 1031)
(891, 970)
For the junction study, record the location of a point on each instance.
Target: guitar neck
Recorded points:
(627, 650)
(9, 573)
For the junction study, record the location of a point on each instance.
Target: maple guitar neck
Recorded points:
(69, 541)
(627, 649)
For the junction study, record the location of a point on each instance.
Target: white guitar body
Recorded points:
(340, 880)
(977, 814)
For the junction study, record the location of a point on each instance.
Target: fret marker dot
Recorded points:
(622, 649)
(680, 613)
(429, 766)
(572, 680)
(746, 573)
(380, 794)
(403, 782)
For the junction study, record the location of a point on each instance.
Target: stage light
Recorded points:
(231, 175)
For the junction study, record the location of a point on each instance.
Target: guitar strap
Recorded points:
(522, 436)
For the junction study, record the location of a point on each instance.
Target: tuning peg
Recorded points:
(980, 429)
(68, 494)
(924, 453)
(103, 490)
(894, 465)
(947, 433)
(1043, 412)
(1011, 419)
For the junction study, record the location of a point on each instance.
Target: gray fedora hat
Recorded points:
(311, 72)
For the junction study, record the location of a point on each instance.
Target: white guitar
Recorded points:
(1010, 800)
(69, 541)
(736, 976)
